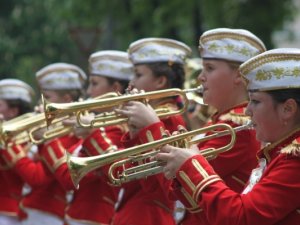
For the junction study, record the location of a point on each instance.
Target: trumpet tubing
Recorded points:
(108, 119)
(54, 110)
(16, 129)
(21, 130)
(80, 166)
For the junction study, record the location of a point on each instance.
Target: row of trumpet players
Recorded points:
(120, 166)
(36, 179)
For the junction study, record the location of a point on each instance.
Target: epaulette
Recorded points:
(293, 148)
(238, 116)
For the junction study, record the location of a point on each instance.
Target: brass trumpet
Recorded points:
(16, 128)
(52, 110)
(21, 129)
(80, 166)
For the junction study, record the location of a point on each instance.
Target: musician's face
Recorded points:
(99, 85)
(55, 97)
(217, 78)
(7, 113)
(267, 117)
(144, 79)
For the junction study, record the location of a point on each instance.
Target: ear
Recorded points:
(238, 79)
(161, 82)
(117, 87)
(289, 109)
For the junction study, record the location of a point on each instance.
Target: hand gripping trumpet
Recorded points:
(80, 166)
(52, 110)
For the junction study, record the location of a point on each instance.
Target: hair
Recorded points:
(123, 83)
(174, 72)
(280, 96)
(75, 93)
(23, 106)
(234, 65)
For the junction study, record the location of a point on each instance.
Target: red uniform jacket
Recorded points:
(273, 199)
(145, 201)
(233, 166)
(10, 192)
(47, 194)
(11, 185)
(94, 201)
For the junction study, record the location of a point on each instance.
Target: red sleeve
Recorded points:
(271, 200)
(54, 156)
(243, 151)
(101, 141)
(171, 124)
(33, 173)
(63, 176)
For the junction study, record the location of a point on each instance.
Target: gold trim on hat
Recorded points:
(18, 86)
(153, 53)
(59, 70)
(102, 66)
(230, 48)
(266, 58)
(109, 57)
(165, 42)
(237, 36)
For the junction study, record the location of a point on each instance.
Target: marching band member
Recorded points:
(222, 51)
(158, 65)
(46, 203)
(15, 99)
(271, 195)
(94, 201)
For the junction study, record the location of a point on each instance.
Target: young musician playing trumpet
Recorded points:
(158, 65)
(46, 202)
(15, 100)
(222, 51)
(271, 194)
(94, 201)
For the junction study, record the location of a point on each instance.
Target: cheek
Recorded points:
(265, 126)
(97, 91)
(139, 83)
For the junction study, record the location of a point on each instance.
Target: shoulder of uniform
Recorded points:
(237, 116)
(292, 149)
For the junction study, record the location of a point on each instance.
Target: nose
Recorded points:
(89, 91)
(201, 77)
(248, 110)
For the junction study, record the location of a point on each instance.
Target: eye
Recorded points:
(93, 83)
(208, 68)
(137, 75)
(254, 101)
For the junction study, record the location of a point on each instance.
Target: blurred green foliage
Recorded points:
(34, 33)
